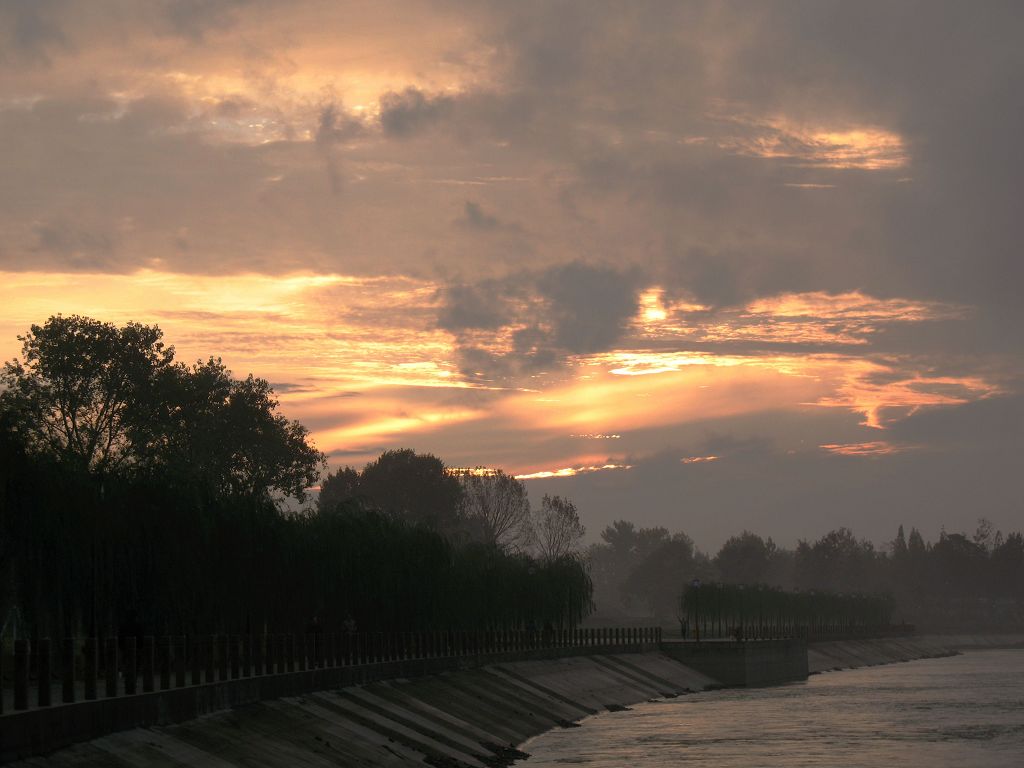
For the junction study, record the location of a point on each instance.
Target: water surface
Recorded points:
(965, 711)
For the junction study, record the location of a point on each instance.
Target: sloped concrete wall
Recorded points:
(749, 663)
(849, 654)
(469, 717)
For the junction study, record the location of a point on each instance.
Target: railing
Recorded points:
(716, 629)
(125, 667)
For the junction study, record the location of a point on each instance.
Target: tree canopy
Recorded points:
(80, 390)
(112, 401)
(500, 503)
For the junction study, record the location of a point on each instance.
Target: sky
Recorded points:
(708, 265)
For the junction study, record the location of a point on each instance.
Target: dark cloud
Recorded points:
(193, 19)
(532, 321)
(30, 30)
(475, 218)
(81, 250)
(483, 306)
(334, 127)
(589, 306)
(410, 111)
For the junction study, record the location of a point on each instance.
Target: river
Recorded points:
(965, 712)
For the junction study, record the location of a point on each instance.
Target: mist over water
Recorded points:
(965, 711)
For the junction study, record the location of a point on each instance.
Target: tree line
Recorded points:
(134, 484)
(960, 580)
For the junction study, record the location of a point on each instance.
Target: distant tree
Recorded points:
(899, 545)
(500, 503)
(1008, 567)
(623, 546)
(838, 562)
(986, 536)
(555, 529)
(76, 390)
(336, 488)
(745, 559)
(414, 487)
(657, 581)
(958, 564)
(630, 542)
(915, 543)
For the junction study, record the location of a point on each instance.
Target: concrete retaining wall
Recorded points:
(849, 654)
(466, 717)
(751, 663)
(45, 729)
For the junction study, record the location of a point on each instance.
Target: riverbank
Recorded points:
(851, 654)
(471, 717)
(466, 717)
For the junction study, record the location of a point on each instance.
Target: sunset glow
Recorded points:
(588, 246)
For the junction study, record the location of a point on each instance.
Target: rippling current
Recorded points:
(964, 712)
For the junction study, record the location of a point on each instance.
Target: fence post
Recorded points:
(222, 652)
(131, 667)
(289, 641)
(90, 668)
(148, 646)
(179, 661)
(209, 646)
(67, 668)
(111, 670)
(247, 655)
(43, 670)
(259, 654)
(21, 651)
(196, 658)
(233, 655)
(164, 651)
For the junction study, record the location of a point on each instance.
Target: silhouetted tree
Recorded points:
(838, 561)
(414, 487)
(336, 488)
(623, 546)
(745, 559)
(224, 434)
(76, 392)
(555, 529)
(658, 580)
(500, 503)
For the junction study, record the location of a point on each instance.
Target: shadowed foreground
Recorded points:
(467, 717)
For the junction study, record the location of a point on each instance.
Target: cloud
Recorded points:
(817, 202)
(29, 31)
(410, 111)
(474, 218)
(81, 249)
(193, 19)
(530, 322)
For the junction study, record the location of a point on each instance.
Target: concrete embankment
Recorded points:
(850, 654)
(470, 717)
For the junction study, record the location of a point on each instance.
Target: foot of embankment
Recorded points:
(850, 654)
(467, 717)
